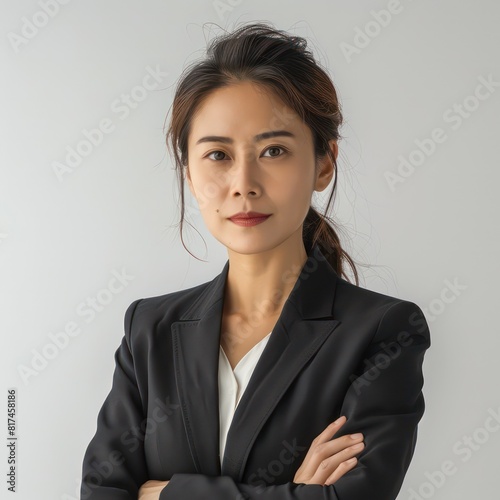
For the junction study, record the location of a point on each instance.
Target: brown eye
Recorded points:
(275, 149)
(217, 152)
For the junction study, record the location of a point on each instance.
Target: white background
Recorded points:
(434, 239)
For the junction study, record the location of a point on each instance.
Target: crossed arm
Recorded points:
(384, 402)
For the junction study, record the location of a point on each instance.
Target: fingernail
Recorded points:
(356, 436)
(339, 420)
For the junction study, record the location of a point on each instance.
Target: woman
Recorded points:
(279, 379)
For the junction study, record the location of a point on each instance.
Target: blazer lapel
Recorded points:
(196, 341)
(304, 324)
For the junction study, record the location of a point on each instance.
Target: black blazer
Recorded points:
(337, 349)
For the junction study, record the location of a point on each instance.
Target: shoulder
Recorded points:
(144, 313)
(387, 315)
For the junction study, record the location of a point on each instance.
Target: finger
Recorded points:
(342, 469)
(151, 489)
(311, 460)
(329, 464)
(337, 445)
(317, 451)
(332, 453)
(330, 430)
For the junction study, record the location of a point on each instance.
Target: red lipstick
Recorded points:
(248, 219)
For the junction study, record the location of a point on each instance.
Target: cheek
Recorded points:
(295, 189)
(208, 192)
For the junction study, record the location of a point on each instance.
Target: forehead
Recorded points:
(244, 109)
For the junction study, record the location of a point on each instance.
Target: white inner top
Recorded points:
(232, 385)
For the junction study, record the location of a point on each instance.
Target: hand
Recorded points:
(327, 459)
(151, 490)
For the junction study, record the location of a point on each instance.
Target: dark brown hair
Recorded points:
(280, 62)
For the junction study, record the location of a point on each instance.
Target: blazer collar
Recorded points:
(304, 324)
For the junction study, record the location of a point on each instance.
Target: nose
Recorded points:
(245, 175)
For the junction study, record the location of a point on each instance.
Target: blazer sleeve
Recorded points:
(112, 468)
(384, 402)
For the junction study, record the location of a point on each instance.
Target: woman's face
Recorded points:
(230, 171)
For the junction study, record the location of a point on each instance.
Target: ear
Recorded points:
(326, 168)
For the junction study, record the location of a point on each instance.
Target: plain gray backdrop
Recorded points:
(418, 178)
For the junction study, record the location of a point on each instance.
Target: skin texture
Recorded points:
(275, 175)
(151, 490)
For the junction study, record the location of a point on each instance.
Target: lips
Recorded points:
(249, 219)
(249, 215)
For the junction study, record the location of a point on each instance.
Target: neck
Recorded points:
(259, 284)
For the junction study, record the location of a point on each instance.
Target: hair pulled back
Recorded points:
(282, 63)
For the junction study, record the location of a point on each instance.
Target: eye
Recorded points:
(270, 148)
(216, 159)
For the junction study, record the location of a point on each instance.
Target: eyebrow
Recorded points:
(257, 138)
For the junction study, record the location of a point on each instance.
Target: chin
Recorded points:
(248, 248)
